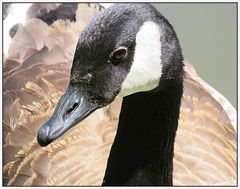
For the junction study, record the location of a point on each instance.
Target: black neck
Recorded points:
(142, 153)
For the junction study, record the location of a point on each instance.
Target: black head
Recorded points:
(110, 59)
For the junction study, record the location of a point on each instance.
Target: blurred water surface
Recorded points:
(208, 35)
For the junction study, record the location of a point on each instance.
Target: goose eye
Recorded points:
(118, 55)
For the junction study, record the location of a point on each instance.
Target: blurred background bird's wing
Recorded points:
(36, 73)
(205, 147)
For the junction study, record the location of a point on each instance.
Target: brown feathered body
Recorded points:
(36, 73)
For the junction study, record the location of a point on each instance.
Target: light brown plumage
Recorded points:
(36, 73)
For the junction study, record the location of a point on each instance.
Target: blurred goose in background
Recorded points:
(36, 73)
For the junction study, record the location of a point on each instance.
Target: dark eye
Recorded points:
(117, 55)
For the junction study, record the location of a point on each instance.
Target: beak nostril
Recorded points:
(75, 105)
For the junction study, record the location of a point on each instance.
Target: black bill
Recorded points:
(73, 107)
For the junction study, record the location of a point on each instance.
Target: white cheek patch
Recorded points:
(146, 68)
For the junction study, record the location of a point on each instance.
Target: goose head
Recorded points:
(125, 49)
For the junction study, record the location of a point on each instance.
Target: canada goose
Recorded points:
(47, 12)
(32, 165)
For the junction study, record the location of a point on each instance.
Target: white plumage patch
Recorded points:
(16, 15)
(146, 68)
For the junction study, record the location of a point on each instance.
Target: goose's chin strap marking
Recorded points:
(146, 68)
